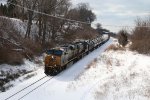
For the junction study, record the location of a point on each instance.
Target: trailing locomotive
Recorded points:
(58, 58)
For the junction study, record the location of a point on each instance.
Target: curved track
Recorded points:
(40, 82)
(25, 88)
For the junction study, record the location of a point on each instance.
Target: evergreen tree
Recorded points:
(122, 37)
(4, 10)
(1, 9)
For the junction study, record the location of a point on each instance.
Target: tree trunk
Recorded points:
(29, 24)
(53, 33)
(40, 26)
(23, 14)
(44, 30)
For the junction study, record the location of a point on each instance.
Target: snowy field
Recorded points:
(120, 75)
(101, 75)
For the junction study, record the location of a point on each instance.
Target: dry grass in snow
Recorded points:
(116, 75)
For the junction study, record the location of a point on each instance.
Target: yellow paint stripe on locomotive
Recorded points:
(47, 59)
(58, 60)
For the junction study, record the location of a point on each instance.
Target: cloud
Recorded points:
(3, 1)
(118, 12)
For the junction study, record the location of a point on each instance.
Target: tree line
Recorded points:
(49, 28)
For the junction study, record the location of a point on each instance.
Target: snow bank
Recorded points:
(117, 75)
(28, 66)
(9, 74)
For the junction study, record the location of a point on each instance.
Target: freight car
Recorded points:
(58, 58)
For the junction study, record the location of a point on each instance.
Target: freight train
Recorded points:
(58, 58)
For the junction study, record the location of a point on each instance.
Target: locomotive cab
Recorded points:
(52, 60)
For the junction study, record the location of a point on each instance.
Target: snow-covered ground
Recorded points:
(12, 75)
(20, 26)
(109, 75)
(119, 75)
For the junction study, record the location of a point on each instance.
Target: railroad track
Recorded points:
(20, 91)
(17, 93)
(39, 80)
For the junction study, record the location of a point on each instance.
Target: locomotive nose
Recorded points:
(53, 58)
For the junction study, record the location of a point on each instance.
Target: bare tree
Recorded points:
(98, 26)
(49, 26)
(86, 13)
(31, 4)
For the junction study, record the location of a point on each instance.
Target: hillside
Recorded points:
(13, 46)
(16, 24)
(13, 39)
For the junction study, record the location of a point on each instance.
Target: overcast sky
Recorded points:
(3, 1)
(118, 12)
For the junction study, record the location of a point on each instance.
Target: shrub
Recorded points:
(92, 64)
(86, 33)
(114, 47)
(33, 48)
(80, 33)
(122, 37)
(141, 36)
(10, 57)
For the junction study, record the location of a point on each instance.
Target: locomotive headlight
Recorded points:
(52, 57)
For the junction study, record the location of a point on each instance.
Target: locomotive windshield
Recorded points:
(49, 52)
(55, 52)
(58, 52)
